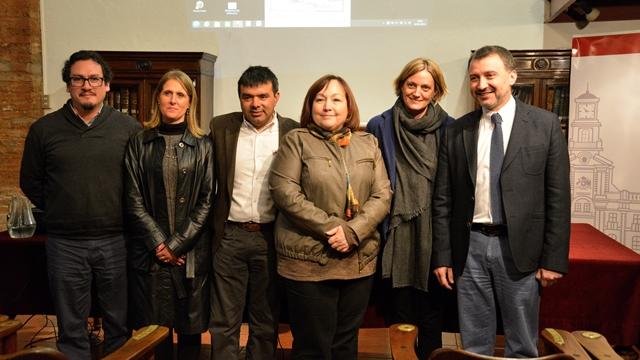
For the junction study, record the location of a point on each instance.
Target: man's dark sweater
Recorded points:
(73, 172)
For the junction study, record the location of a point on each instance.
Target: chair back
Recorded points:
(141, 345)
(562, 341)
(35, 353)
(456, 354)
(403, 341)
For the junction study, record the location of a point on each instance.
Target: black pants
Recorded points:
(244, 272)
(188, 347)
(423, 309)
(73, 265)
(325, 317)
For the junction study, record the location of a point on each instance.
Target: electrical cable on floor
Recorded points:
(24, 323)
(33, 339)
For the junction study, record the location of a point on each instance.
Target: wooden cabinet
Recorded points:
(543, 80)
(136, 75)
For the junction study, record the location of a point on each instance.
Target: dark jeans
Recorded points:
(244, 273)
(325, 317)
(73, 265)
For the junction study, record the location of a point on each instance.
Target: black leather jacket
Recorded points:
(146, 205)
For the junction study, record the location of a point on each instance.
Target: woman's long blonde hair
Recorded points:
(190, 116)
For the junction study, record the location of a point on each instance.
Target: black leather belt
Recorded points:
(252, 226)
(490, 229)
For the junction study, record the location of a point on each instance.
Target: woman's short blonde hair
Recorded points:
(190, 116)
(415, 66)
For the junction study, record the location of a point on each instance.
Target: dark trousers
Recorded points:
(73, 265)
(244, 273)
(188, 347)
(325, 317)
(422, 309)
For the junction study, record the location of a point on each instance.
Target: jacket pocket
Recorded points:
(534, 159)
(319, 161)
(363, 171)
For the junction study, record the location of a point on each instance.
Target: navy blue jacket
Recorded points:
(381, 126)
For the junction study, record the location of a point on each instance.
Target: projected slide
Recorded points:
(238, 14)
(307, 13)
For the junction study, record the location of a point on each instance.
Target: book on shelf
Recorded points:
(109, 98)
(557, 94)
(133, 103)
(523, 93)
(564, 101)
(551, 91)
(515, 91)
(124, 100)
(116, 99)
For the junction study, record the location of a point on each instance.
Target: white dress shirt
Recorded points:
(482, 210)
(251, 199)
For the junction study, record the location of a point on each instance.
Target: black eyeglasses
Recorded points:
(78, 81)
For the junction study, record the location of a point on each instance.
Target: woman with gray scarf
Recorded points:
(409, 135)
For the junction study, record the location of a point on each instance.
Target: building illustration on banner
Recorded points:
(595, 198)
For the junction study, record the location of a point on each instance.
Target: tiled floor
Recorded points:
(373, 343)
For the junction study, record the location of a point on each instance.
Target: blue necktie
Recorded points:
(495, 168)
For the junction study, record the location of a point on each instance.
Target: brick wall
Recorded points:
(21, 84)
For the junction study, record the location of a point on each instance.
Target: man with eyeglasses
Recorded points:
(72, 170)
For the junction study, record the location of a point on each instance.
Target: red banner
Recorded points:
(606, 45)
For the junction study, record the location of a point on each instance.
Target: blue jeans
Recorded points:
(73, 265)
(490, 277)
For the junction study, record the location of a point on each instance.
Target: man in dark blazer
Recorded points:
(501, 231)
(244, 260)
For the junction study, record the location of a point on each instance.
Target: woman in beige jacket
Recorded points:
(331, 187)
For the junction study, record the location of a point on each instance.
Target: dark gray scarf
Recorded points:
(407, 252)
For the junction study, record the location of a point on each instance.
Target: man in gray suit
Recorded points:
(501, 209)
(244, 260)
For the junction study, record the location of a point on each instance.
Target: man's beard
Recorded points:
(88, 106)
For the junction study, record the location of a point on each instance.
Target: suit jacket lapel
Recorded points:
(518, 135)
(231, 145)
(282, 129)
(470, 139)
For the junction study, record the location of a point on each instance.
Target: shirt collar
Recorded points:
(507, 112)
(269, 127)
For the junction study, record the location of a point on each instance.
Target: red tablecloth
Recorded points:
(601, 292)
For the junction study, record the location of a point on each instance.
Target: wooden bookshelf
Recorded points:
(136, 75)
(543, 80)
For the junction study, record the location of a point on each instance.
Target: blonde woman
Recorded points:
(168, 194)
(409, 137)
